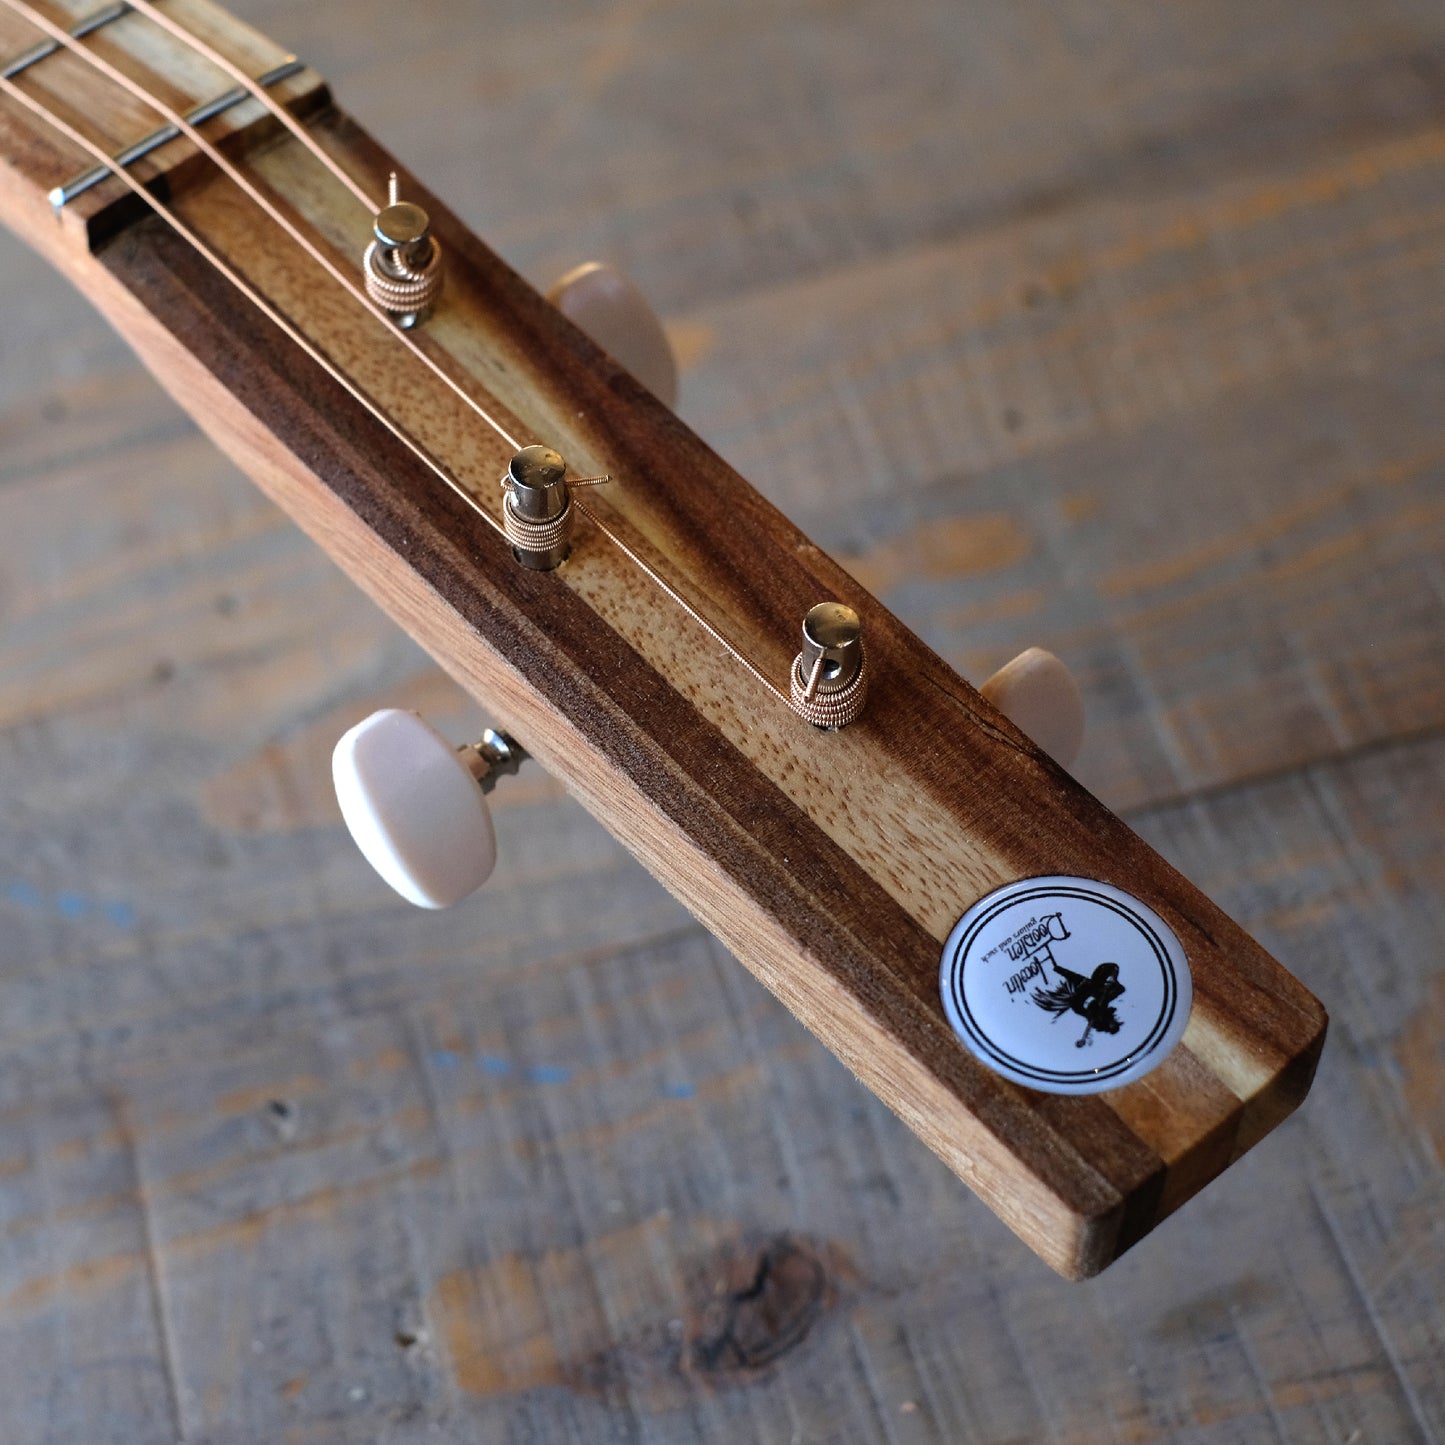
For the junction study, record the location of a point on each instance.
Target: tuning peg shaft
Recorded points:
(1038, 694)
(600, 300)
(415, 807)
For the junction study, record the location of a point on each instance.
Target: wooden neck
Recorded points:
(833, 864)
(41, 161)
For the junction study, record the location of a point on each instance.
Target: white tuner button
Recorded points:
(600, 300)
(415, 805)
(1038, 694)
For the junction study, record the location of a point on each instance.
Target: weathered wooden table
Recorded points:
(1116, 328)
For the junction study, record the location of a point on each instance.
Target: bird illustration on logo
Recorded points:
(1091, 998)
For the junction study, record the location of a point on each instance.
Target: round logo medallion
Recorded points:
(1065, 984)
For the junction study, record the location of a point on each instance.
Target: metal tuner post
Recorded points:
(402, 266)
(829, 680)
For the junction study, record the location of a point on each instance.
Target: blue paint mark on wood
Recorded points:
(73, 906)
(501, 1067)
(26, 895)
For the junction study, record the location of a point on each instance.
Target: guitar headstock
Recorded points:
(868, 873)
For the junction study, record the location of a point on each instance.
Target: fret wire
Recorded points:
(44, 49)
(164, 135)
(279, 218)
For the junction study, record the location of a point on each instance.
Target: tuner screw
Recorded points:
(414, 805)
(829, 683)
(402, 266)
(537, 508)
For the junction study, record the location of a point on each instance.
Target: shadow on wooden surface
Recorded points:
(1119, 330)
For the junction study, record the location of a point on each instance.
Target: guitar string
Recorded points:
(275, 214)
(310, 144)
(223, 62)
(175, 118)
(102, 157)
